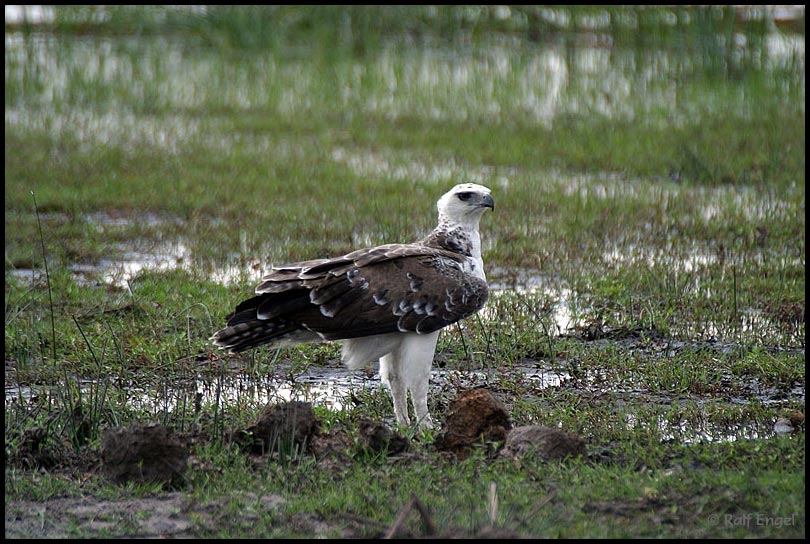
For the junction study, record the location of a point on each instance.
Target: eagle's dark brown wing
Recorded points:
(396, 287)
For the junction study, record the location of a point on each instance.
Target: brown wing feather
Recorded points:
(397, 287)
(407, 294)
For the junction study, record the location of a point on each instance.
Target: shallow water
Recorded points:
(132, 91)
(338, 388)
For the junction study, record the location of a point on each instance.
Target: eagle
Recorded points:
(385, 303)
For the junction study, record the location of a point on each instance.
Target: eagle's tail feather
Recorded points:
(248, 328)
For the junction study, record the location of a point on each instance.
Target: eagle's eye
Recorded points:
(464, 196)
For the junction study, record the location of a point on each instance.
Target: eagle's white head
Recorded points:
(464, 204)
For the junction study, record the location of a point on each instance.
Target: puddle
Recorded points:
(104, 220)
(340, 388)
(405, 167)
(689, 433)
(562, 312)
(650, 257)
(333, 388)
(119, 273)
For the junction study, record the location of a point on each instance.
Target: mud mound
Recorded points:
(475, 416)
(143, 454)
(377, 437)
(547, 443)
(287, 427)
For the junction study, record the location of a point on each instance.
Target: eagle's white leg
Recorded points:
(419, 350)
(405, 361)
(408, 369)
(419, 397)
(391, 375)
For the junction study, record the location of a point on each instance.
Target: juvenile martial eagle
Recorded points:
(387, 302)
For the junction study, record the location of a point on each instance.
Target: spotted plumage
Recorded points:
(388, 302)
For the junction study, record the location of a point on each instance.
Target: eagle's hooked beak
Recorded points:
(487, 202)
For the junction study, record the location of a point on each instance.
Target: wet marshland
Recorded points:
(646, 257)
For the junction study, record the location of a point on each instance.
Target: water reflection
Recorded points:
(338, 389)
(17, 15)
(132, 90)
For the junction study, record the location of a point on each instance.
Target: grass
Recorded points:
(651, 191)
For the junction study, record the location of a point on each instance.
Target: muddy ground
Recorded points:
(155, 454)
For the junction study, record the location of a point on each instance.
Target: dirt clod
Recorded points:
(287, 427)
(474, 416)
(544, 442)
(377, 437)
(140, 453)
